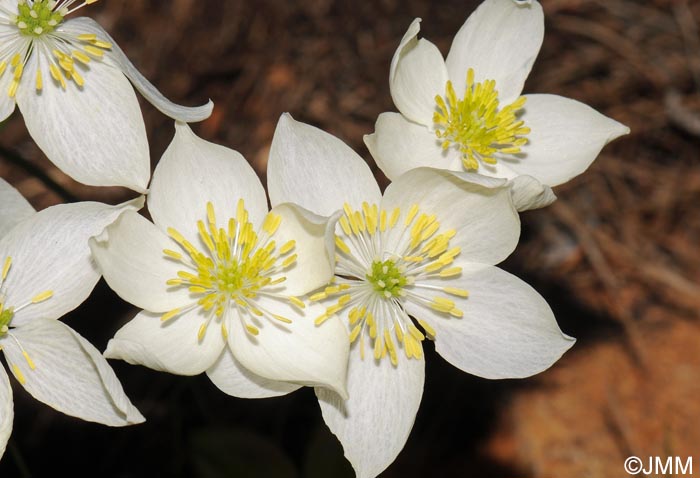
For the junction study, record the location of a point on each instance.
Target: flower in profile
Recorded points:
(46, 271)
(466, 113)
(413, 264)
(69, 80)
(219, 278)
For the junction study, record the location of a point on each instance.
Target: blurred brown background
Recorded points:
(617, 256)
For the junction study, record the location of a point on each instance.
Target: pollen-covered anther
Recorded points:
(476, 124)
(235, 267)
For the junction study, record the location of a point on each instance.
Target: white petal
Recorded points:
(234, 379)
(300, 352)
(10, 7)
(95, 133)
(14, 207)
(508, 330)
(315, 248)
(417, 75)
(500, 41)
(566, 136)
(10, 36)
(399, 145)
(193, 172)
(7, 413)
(316, 170)
(374, 423)
(478, 208)
(150, 92)
(172, 346)
(130, 256)
(7, 104)
(50, 252)
(68, 373)
(529, 193)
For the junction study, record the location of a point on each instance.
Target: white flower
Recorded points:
(46, 271)
(69, 79)
(465, 113)
(218, 276)
(425, 249)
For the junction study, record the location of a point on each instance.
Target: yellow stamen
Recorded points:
(169, 315)
(428, 329)
(296, 301)
(456, 291)
(30, 362)
(6, 267)
(18, 374)
(42, 296)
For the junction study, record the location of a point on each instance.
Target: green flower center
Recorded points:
(38, 18)
(386, 278)
(6, 316)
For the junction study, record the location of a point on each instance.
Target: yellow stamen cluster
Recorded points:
(476, 125)
(374, 290)
(63, 65)
(8, 313)
(236, 266)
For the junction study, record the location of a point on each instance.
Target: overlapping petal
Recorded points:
(50, 252)
(500, 41)
(172, 346)
(232, 378)
(316, 170)
(14, 207)
(7, 413)
(314, 238)
(116, 55)
(193, 172)
(67, 373)
(94, 133)
(374, 423)
(529, 193)
(566, 136)
(398, 145)
(131, 259)
(508, 329)
(299, 352)
(478, 208)
(417, 74)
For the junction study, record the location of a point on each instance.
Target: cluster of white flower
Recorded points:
(338, 285)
